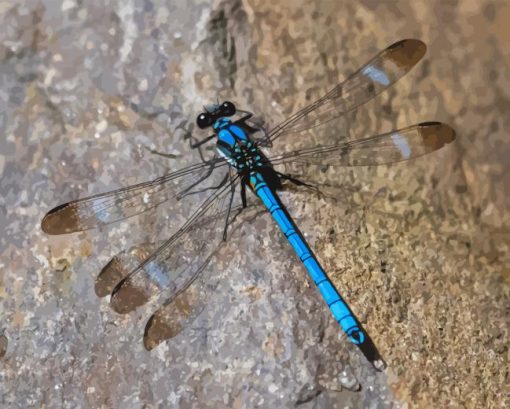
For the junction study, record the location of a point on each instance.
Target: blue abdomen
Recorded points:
(335, 302)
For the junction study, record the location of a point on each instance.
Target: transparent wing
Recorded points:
(395, 146)
(126, 261)
(106, 208)
(120, 266)
(370, 80)
(184, 303)
(178, 262)
(183, 307)
(178, 313)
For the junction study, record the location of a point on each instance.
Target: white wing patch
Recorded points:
(376, 75)
(401, 143)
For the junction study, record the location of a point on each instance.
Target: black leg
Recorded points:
(251, 129)
(187, 192)
(198, 146)
(165, 155)
(232, 192)
(244, 205)
(323, 190)
(247, 115)
(243, 194)
(265, 141)
(294, 180)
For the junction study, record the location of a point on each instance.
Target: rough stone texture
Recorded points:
(421, 250)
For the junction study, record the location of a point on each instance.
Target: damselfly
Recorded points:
(177, 265)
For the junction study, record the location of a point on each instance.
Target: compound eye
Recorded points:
(228, 108)
(204, 120)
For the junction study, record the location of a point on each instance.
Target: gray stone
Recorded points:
(420, 250)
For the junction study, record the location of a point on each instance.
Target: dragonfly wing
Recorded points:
(184, 307)
(106, 208)
(120, 266)
(370, 80)
(395, 146)
(185, 303)
(178, 262)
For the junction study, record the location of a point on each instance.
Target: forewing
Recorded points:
(106, 208)
(370, 80)
(395, 146)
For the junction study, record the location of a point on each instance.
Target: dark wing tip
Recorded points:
(60, 220)
(4, 342)
(408, 51)
(148, 340)
(110, 274)
(436, 134)
(126, 297)
(162, 325)
(408, 42)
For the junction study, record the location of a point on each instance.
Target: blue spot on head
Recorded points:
(221, 123)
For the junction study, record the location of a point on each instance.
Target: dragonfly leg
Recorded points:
(247, 115)
(295, 180)
(266, 140)
(232, 192)
(188, 191)
(243, 194)
(239, 211)
(324, 192)
(253, 128)
(210, 170)
(195, 144)
(165, 155)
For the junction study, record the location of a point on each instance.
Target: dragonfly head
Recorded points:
(213, 113)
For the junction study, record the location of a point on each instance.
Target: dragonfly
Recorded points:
(243, 172)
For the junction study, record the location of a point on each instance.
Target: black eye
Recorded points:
(204, 120)
(228, 108)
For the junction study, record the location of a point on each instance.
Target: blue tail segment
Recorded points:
(337, 305)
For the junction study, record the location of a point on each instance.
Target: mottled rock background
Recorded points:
(421, 250)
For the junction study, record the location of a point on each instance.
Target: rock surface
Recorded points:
(420, 250)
